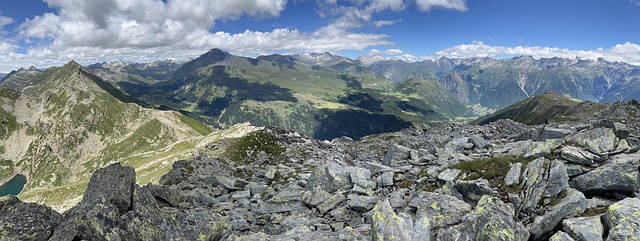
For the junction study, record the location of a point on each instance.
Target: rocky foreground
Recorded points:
(501, 181)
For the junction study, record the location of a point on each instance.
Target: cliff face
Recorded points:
(499, 181)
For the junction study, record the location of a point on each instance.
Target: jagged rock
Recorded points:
(541, 149)
(584, 229)
(293, 207)
(330, 203)
(331, 177)
(599, 141)
(90, 222)
(543, 178)
(472, 191)
(513, 176)
(552, 133)
(620, 174)
(623, 220)
(395, 154)
(26, 221)
(578, 156)
(478, 141)
(387, 225)
(573, 203)
(561, 236)
(361, 177)
(442, 210)
(573, 170)
(301, 233)
(397, 199)
(422, 230)
(361, 203)
(448, 175)
(113, 184)
(386, 179)
(490, 220)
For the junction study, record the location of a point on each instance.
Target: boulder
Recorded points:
(543, 178)
(386, 225)
(330, 177)
(448, 175)
(573, 203)
(472, 191)
(26, 221)
(113, 184)
(361, 203)
(623, 219)
(361, 177)
(395, 154)
(490, 220)
(540, 149)
(561, 236)
(513, 176)
(478, 141)
(443, 210)
(578, 156)
(584, 229)
(620, 174)
(599, 141)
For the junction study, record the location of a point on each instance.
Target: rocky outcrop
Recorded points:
(455, 182)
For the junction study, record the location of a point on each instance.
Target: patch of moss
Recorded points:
(245, 149)
(493, 169)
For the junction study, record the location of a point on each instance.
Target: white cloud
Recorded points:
(427, 5)
(626, 52)
(4, 21)
(393, 52)
(636, 2)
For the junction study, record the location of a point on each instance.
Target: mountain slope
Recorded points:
(542, 108)
(73, 122)
(321, 95)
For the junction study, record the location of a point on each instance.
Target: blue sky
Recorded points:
(52, 32)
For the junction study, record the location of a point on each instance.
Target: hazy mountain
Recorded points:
(58, 131)
(134, 77)
(497, 83)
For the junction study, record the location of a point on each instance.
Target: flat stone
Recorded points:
(620, 174)
(573, 203)
(362, 203)
(448, 175)
(599, 141)
(584, 229)
(513, 176)
(386, 179)
(443, 210)
(578, 156)
(330, 203)
(472, 191)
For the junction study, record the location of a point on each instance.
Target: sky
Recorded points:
(46, 33)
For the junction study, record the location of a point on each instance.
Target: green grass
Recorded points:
(244, 149)
(202, 129)
(493, 169)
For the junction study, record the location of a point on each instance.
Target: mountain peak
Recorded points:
(72, 65)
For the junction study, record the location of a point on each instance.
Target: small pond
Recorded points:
(13, 186)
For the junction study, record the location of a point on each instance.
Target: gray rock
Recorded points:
(315, 197)
(330, 203)
(331, 177)
(478, 141)
(623, 219)
(397, 198)
(361, 177)
(543, 178)
(540, 149)
(490, 220)
(113, 184)
(573, 203)
(442, 210)
(584, 229)
(599, 141)
(553, 133)
(386, 179)
(26, 221)
(561, 236)
(387, 225)
(293, 207)
(578, 156)
(573, 170)
(422, 230)
(395, 154)
(448, 175)
(513, 176)
(619, 174)
(362, 203)
(472, 191)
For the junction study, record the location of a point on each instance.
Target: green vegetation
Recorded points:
(247, 148)
(199, 127)
(493, 169)
(6, 169)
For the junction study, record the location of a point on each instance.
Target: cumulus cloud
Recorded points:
(427, 5)
(626, 52)
(4, 21)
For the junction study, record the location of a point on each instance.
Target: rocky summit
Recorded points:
(499, 181)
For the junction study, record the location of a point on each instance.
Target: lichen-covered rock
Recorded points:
(561, 236)
(361, 177)
(387, 225)
(620, 174)
(584, 229)
(544, 148)
(441, 209)
(513, 176)
(26, 221)
(543, 178)
(472, 191)
(573, 203)
(448, 175)
(599, 141)
(490, 220)
(113, 184)
(578, 156)
(99, 221)
(395, 154)
(623, 219)
(361, 203)
(331, 177)
(301, 233)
